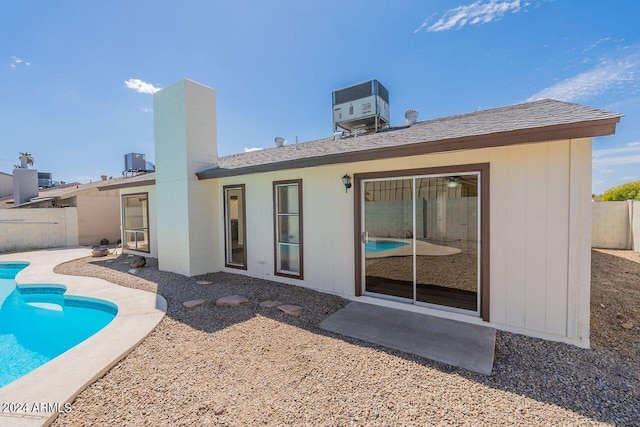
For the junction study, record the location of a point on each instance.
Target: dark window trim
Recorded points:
(483, 169)
(275, 229)
(122, 197)
(244, 222)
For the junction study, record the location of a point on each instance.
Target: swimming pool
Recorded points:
(39, 322)
(381, 245)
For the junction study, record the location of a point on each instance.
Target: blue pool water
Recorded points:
(38, 322)
(379, 245)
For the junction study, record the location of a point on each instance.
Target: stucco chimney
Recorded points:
(185, 143)
(25, 185)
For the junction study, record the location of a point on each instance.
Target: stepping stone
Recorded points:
(195, 302)
(294, 310)
(269, 304)
(231, 300)
(627, 325)
(203, 282)
(133, 271)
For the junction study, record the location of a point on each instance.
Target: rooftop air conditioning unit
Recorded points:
(364, 106)
(134, 162)
(45, 180)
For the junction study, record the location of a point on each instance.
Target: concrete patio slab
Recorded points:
(60, 380)
(448, 341)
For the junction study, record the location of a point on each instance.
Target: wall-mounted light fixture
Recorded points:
(346, 180)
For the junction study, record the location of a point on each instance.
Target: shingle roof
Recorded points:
(521, 123)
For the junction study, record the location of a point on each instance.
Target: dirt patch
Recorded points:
(615, 302)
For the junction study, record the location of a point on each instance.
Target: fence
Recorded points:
(616, 225)
(38, 228)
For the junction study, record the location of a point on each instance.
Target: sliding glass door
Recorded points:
(421, 239)
(388, 225)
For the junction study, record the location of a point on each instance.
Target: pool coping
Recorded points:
(45, 391)
(422, 248)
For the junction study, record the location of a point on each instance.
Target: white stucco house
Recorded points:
(482, 217)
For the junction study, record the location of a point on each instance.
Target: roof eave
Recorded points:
(588, 129)
(127, 185)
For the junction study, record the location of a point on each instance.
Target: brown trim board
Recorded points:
(498, 139)
(485, 234)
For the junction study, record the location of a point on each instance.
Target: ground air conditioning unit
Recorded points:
(364, 106)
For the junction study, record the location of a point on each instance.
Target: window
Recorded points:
(287, 198)
(135, 221)
(234, 222)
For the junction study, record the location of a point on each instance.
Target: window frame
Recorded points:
(243, 215)
(124, 229)
(277, 271)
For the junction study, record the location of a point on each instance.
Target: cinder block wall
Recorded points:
(38, 228)
(610, 228)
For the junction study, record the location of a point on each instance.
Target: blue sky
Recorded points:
(76, 77)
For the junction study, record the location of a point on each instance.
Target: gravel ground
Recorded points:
(247, 365)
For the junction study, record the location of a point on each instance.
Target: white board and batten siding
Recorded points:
(540, 199)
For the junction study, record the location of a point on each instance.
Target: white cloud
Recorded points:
(147, 110)
(594, 45)
(478, 12)
(633, 144)
(610, 73)
(18, 62)
(616, 156)
(620, 150)
(628, 178)
(620, 160)
(607, 171)
(248, 150)
(140, 86)
(84, 179)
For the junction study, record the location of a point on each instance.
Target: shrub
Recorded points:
(628, 191)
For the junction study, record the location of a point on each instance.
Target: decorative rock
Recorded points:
(195, 302)
(98, 251)
(204, 282)
(269, 304)
(627, 325)
(139, 262)
(133, 271)
(218, 411)
(231, 300)
(294, 310)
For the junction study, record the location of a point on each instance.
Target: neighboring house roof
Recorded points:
(536, 121)
(59, 192)
(132, 181)
(4, 173)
